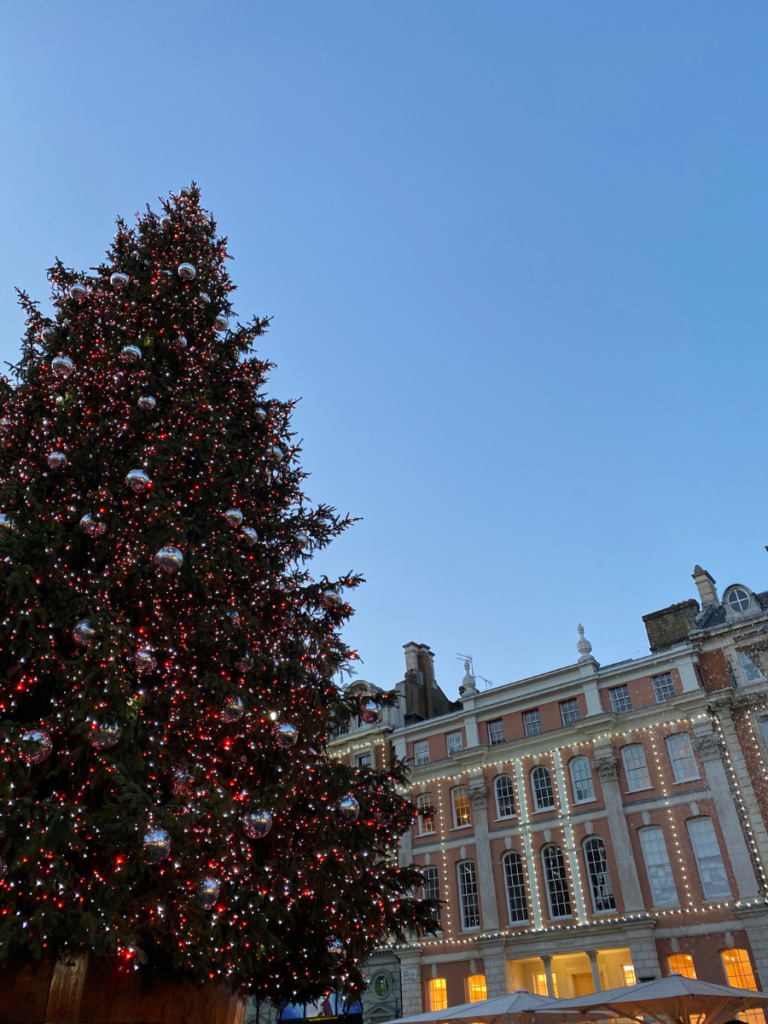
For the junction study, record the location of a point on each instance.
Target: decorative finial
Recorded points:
(584, 647)
(468, 686)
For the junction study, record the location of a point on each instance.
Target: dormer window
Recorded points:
(738, 599)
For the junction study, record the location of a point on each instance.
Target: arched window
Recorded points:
(427, 814)
(657, 866)
(681, 963)
(460, 804)
(599, 879)
(581, 780)
(556, 881)
(505, 797)
(437, 994)
(514, 882)
(541, 784)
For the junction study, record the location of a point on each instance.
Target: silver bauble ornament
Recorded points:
(48, 333)
(7, 524)
(276, 453)
(157, 845)
(302, 541)
(179, 343)
(57, 460)
(137, 480)
(92, 526)
(169, 559)
(144, 661)
(77, 291)
(370, 713)
(233, 516)
(208, 891)
(205, 297)
(331, 599)
(118, 280)
(186, 271)
(257, 824)
(232, 710)
(4, 424)
(183, 782)
(104, 735)
(221, 323)
(165, 221)
(62, 366)
(146, 403)
(83, 633)
(130, 354)
(349, 809)
(285, 735)
(39, 746)
(249, 535)
(244, 663)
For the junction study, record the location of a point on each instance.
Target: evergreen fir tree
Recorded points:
(166, 660)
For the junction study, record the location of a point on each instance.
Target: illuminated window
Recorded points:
(681, 757)
(738, 968)
(681, 963)
(437, 994)
(709, 860)
(514, 881)
(660, 877)
(476, 988)
(505, 797)
(599, 879)
(427, 815)
(581, 779)
(540, 985)
(460, 802)
(421, 752)
(635, 767)
(629, 974)
(556, 881)
(541, 783)
(468, 901)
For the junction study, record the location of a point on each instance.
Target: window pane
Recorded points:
(454, 742)
(364, 761)
(709, 861)
(426, 821)
(421, 752)
(532, 722)
(681, 757)
(470, 907)
(657, 866)
(569, 709)
(476, 988)
(514, 881)
(543, 796)
(635, 767)
(556, 881)
(461, 815)
(431, 888)
(581, 779)
(437, 994)
(505, 798)
(628, 971)
(751, 671)
(663, 687)
(681, 963)
(599, 879)
(620, 699)
(738, 968)
(496, 732)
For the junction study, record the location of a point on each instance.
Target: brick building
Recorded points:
(592, 825)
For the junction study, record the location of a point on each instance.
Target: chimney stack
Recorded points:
(706, 587)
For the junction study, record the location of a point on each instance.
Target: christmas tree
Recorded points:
(167, 663)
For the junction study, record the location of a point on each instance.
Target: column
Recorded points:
(495, 973)
(592, 954)
(606, 768)
(410, 982)
(478, 795)
(547, 961)
(706, 745)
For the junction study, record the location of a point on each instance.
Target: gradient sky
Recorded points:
(516, 254)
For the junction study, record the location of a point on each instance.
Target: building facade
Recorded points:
(591, 826)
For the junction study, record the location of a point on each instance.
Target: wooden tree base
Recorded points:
(84, 990)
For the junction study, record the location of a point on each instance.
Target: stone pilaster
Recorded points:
(410, 981)
(546, 959)
(495, 972)
(605, 767)
(478, 795)
(642, 949)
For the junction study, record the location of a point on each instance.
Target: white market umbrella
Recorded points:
(670, 1000)
(519, 1007)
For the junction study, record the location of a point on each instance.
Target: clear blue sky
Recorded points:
(516, 254)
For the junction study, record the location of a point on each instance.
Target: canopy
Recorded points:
(670, 1000)
(519, 1007)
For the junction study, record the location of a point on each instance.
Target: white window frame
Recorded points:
(536, 771)
(454, 743)
(528, 719)
(551, 883)
(369, 755)
(421, 752)
(515, 888)
(469, 900)
(428, 890)
(598, 875)
(662, 684)
(495, 734)
(425, 800)
(706, 852)
(620, 698)
(575, 781)
(656, 859)
(510, 795)
(632, 771)
(571, 704)
(464, 791)
(684, 767)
